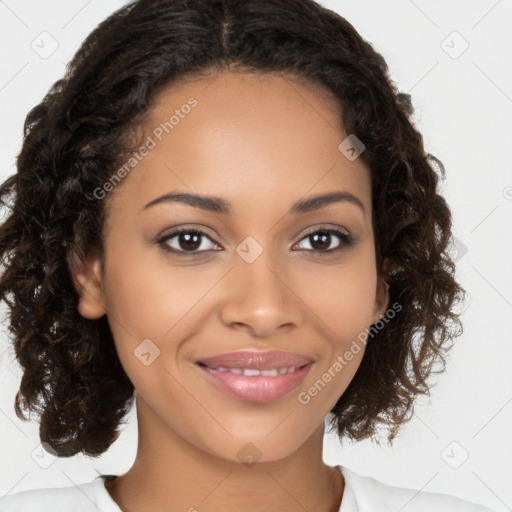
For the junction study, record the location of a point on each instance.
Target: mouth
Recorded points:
(251, 372)
(256, 376)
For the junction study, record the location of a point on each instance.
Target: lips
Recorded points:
(256, 376)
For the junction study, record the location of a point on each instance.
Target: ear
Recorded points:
(88, 282)
(382, 294)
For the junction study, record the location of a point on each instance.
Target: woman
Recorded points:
(224, 214)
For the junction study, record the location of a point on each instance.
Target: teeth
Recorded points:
(250, 372)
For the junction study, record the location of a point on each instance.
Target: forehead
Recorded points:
(246, 137)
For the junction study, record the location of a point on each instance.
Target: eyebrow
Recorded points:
(219, 205)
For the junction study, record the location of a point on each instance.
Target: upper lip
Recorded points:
(256, 360)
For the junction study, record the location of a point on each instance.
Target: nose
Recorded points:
(260, 298)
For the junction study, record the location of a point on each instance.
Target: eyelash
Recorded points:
(346, 239)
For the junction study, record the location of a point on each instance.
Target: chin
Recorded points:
(269, 443)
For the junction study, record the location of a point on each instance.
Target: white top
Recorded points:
(361, 494)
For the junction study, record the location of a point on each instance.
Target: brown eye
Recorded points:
(185, 241)
(189, 241)
(322, 240)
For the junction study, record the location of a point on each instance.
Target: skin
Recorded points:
(260, 142)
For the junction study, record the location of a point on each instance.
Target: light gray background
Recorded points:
(463, 107)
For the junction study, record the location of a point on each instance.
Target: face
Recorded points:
(258, 267)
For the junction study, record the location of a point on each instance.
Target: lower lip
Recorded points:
(256, 388)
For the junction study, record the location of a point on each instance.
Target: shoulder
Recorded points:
(78, 498)
(370, 495)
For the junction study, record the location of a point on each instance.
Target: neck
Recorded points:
(170, 473)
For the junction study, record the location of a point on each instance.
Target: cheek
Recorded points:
(148, 297)
(342, 297)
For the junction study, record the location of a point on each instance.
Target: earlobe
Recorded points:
(88, 283)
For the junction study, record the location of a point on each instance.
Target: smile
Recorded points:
(249, 372)
(256, 376)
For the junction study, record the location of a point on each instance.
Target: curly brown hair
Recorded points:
(75, 138)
